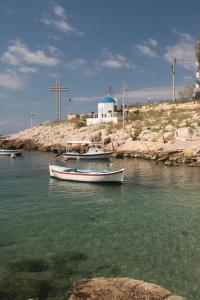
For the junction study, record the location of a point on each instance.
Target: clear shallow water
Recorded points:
(148, 228)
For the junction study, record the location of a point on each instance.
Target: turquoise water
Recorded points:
(148, 228)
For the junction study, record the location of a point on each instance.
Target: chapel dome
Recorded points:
(107, 100)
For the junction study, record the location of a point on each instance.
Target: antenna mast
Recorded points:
(109, 91)
(173, 78)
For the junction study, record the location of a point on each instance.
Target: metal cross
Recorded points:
(58, 89)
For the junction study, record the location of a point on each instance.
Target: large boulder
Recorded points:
(168, 136)
(106, 140)
(120, 136)
(185, 133)
(134, 147)
(97, 137)
(147, 135)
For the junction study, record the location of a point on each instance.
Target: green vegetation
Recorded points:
(137, 130)
(197, 96)
(80, 123)
(113, 127)
(148, 117)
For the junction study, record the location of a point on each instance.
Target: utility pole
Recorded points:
(58, 89)
(31, 118)
(70, 105)
(173, 78)
(123, 92)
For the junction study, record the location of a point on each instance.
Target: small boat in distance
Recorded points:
(11, 152)
(86, 175)
(93, 152)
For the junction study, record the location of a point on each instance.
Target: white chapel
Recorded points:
(108, 111)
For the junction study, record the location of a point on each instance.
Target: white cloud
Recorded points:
(11, 80)
(23, 61)
(80, 33)
(152, 42)
(183, 51)
(82, 66)
(62, 25)
(10, 58)
(111, 64)
(18, 53)
(56, 52)
(25, 69)
(54, 37)
(145, 50)
(107, 61)
(153, 93)
(184, 35)
(45, 19)
(76, 63)
(59, 21)
(113, 61)
(59, 11)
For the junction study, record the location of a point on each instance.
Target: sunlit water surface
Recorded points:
(148, 228)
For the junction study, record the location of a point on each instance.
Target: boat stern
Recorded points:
(50, 171)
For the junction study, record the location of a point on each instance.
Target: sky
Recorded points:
(90, 45)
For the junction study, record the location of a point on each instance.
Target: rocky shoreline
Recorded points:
(163, 134)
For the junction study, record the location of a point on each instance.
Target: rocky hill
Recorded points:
(164, 132)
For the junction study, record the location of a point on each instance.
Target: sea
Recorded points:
(54, 232)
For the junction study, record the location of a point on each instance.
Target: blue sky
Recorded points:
(90, 45)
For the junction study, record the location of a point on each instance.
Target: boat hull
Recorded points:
(9, 152)
(85, 176)
(103, 155)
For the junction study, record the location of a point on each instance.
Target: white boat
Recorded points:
(11, 152)
(92, 153)
(86, 175)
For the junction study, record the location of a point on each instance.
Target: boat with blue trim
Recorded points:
(86, 175)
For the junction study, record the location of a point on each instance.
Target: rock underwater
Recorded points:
(119, 289)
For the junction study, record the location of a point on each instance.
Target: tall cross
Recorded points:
(58, 89)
